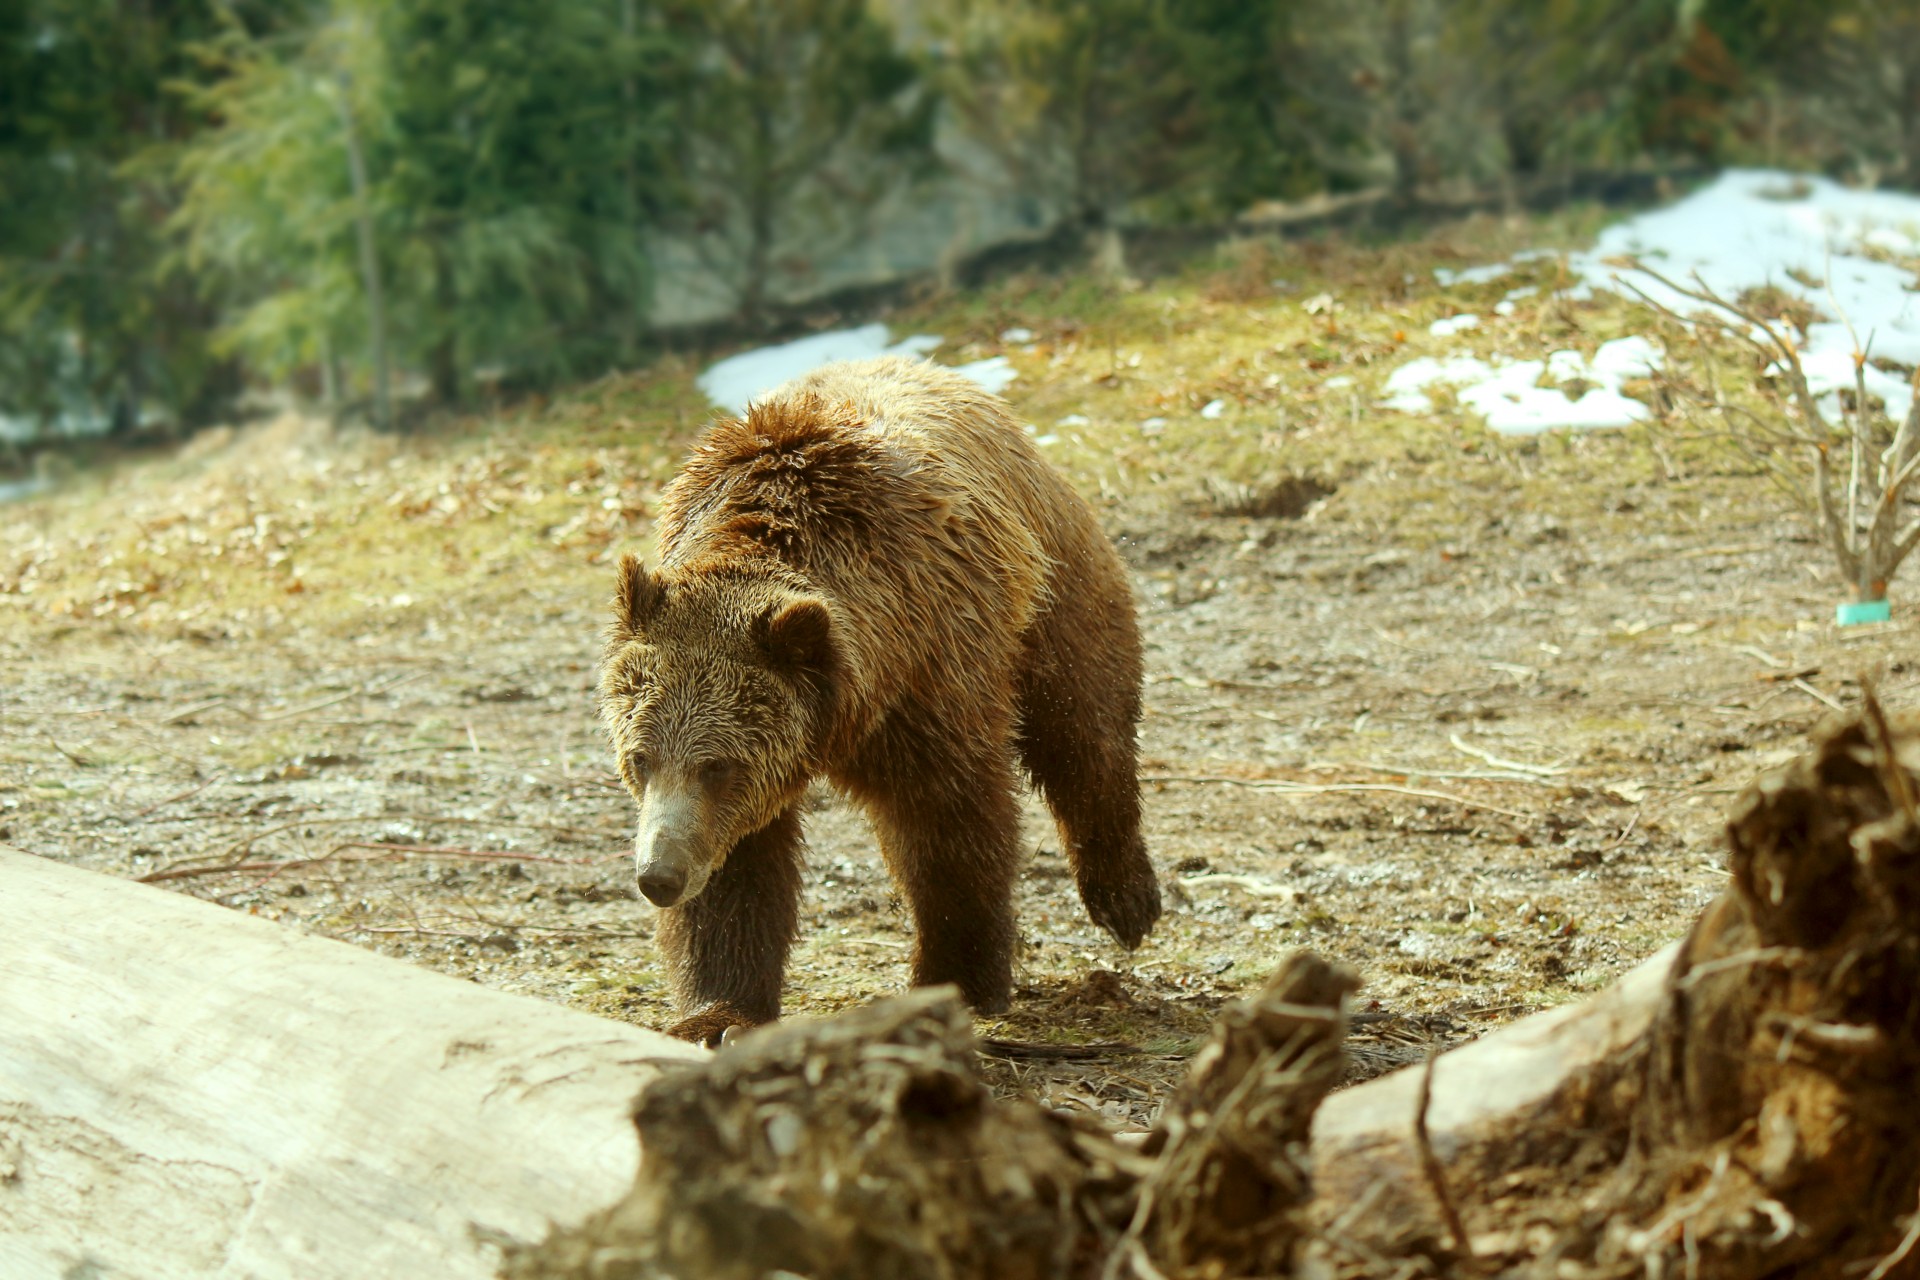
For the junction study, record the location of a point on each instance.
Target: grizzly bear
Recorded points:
(874, 579)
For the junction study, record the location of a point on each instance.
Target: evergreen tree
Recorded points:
(509, 162)
(1562, 80)
(91, 329)
(1246, 146)
(1375, 92)
(1087, 102)
(267, 212)
(1853, 68)
(509, 157)
(792, 121)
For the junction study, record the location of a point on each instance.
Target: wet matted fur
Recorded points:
(873, 578)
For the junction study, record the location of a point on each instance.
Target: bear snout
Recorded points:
(662, 882)
(671, 868)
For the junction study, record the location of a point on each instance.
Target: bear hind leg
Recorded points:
(1090, 781)
(727, 949)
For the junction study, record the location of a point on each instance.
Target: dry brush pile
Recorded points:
(1741, 1106)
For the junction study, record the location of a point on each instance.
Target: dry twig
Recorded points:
(1854, 474)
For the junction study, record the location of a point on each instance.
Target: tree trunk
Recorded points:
(443, 361)
(188, 1091)
(369, 259)
(1740, 1107)
(329, 380)
(759, 260)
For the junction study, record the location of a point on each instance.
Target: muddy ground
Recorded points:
(1464, 713)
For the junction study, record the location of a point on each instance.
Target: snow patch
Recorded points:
(1525, 397)
(732, 383)
(1505, 307)
(1453, 324)
(1808, 237)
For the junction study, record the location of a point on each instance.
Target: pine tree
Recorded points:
(793, 120)
(506, 156)
(1088, 104)
(92, 329)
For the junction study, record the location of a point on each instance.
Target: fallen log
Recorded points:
(187, 1091)
(867, 1145)
(1742, 1106)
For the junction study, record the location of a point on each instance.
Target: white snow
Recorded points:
(1453, 324)
(1807, 236)
(1510, 394)
(1472, 275)
(1803, 235)
(1492, 271)
(1505, 307)
(732, 383)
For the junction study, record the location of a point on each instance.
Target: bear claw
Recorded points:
(1128, 911)
(714, 1026)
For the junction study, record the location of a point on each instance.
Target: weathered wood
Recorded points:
(867, 1146)
(1527, 1085)
(187, 1091)
(1740, 1106)
(1226, 1195)
(864, 1145)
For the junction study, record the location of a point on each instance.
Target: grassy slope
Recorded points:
(283, 544)
(285, 527)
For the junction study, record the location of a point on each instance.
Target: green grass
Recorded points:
(286, 526)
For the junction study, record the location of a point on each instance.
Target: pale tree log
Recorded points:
(1746, 1104)
(867, 1146)
(1743, 1106)
(187, 1091)
(1533, 1082)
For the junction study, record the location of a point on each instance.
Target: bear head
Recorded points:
(714, 690)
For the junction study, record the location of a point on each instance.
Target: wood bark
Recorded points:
(369, 257)
(188, 1091)
(1740, 1107)
(866, 1145)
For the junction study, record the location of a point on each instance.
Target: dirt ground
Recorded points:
(1464, 712)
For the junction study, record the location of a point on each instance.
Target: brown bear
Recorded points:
(872, 578)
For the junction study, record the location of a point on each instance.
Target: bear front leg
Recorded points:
(951, 840)
(727, 949)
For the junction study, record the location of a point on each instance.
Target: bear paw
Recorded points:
(1126, 909)
(713, 1026)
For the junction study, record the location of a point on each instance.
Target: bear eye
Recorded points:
(636, 766)
(717, 773)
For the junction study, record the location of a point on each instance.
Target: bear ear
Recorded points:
(635, 598)
(797, 635)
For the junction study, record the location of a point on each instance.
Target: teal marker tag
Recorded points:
(1852, 615)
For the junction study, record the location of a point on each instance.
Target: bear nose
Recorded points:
(662, 884)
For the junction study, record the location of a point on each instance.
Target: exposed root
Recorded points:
(1743, 1107)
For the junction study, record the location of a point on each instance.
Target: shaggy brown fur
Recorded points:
(875, 579)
